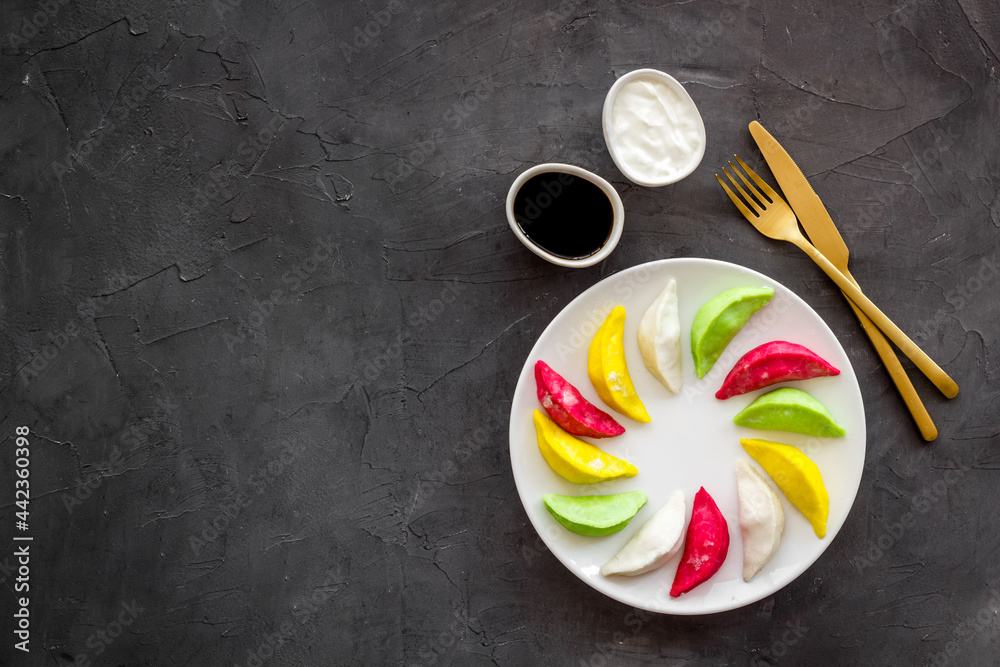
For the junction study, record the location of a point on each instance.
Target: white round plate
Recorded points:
(692, 441)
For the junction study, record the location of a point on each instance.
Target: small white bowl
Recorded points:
(617, 209)
(673, 84)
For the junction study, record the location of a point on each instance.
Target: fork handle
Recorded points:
(920, 359)
(888, 355)
(899, 377)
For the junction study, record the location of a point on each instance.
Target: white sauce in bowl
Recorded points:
(653, 129)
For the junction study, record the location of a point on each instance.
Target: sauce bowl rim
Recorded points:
(617, 210)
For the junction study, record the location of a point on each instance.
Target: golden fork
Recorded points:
(772, 217)
(821, 231)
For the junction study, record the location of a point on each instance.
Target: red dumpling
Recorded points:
(705, 545)
(770, 363)
(570, 409)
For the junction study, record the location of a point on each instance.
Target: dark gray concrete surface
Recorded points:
(263, 315)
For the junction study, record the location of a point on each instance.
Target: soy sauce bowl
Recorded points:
(600, 252)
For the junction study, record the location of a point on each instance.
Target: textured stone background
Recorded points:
(263, 315)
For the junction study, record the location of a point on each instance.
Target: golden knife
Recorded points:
(823, 233)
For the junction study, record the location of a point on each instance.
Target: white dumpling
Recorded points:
(659, 540)
(761, 519)
(660, 338)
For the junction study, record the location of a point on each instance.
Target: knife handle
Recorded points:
(919, 358)
(902, 381)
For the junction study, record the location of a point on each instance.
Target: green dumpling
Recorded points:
(595, 515)
(720, 319)
(789, 409)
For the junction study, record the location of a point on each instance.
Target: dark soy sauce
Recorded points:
(563, 214)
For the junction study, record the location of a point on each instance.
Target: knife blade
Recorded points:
(825, 236)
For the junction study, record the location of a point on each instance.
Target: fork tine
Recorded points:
(736, 200)
(756, 193)
(750, 200)
(759, 181)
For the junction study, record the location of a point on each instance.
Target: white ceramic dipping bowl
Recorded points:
(615, 144)
(617, 209)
